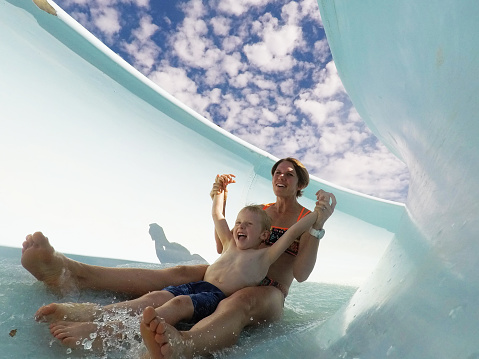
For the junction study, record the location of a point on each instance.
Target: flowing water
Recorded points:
(307, 306)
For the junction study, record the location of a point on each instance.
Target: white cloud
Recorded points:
(241, 80)
(267, 117)
(232, 64)
(142, 49)
(239, 7)
(329, 84)
(320, 112)
(146, 30)
(189, 43)
(274, 53)
(376, 172)
(262, 57)
(213, 76)
(310, 8)
(253, 99)
(321, 50)
(231, 43)
(107, 20)
(221, 25)
(139, 3)
(263, 83)
(176, 82)
(288, 87)
(214, 95)
(194, 9)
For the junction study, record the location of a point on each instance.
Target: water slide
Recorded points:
(92, 153)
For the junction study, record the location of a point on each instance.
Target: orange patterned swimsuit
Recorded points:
(276, 233)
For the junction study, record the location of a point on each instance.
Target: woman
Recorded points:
(252, 305)
(262, 303)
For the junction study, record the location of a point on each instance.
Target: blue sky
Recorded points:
(260, 69)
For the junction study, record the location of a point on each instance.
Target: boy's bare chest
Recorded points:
(248, 263)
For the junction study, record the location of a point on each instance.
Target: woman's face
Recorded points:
(285, 180)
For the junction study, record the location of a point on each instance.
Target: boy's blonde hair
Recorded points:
(258, 210)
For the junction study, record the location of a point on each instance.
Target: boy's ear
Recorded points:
(265, 234)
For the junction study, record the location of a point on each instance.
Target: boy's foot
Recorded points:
(41, 260)
(73, 312)
(161, 339)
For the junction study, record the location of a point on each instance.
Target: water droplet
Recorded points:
(69, 351)
(390, 351)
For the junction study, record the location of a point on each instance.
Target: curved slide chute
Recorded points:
(411, 70)
(92, 152)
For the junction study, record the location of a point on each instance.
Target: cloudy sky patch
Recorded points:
(261, 69)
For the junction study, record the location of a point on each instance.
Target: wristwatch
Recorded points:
(318, 233)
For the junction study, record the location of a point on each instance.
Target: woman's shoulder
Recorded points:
(266, 206)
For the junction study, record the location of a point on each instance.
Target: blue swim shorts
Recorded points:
(205, 297)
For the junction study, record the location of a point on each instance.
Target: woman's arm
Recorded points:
(309, 245)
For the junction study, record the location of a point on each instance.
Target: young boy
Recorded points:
(242, 263)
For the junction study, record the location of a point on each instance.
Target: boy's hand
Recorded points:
(221, 182)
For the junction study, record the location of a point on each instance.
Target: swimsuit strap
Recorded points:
(302, 214)
(266, 206)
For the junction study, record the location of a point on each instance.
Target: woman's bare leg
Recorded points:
(249, 306)
(60, 272)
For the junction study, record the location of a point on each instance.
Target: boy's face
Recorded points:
(248, 231)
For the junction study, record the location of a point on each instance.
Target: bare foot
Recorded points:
(41, 260)
(161, 339)
(96, 337)
(73, 312)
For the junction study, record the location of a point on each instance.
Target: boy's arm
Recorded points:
(216, 190)
(223, 234)
(295, 231)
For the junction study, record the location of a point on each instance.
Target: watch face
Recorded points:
(318, 233)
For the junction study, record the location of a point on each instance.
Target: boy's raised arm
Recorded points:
(218, 193)
(291, 234)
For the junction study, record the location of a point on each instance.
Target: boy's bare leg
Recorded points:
(175, 310)
(74, 312)
(60, 272)
(249, 306)
(100, 335)
(89, 312)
